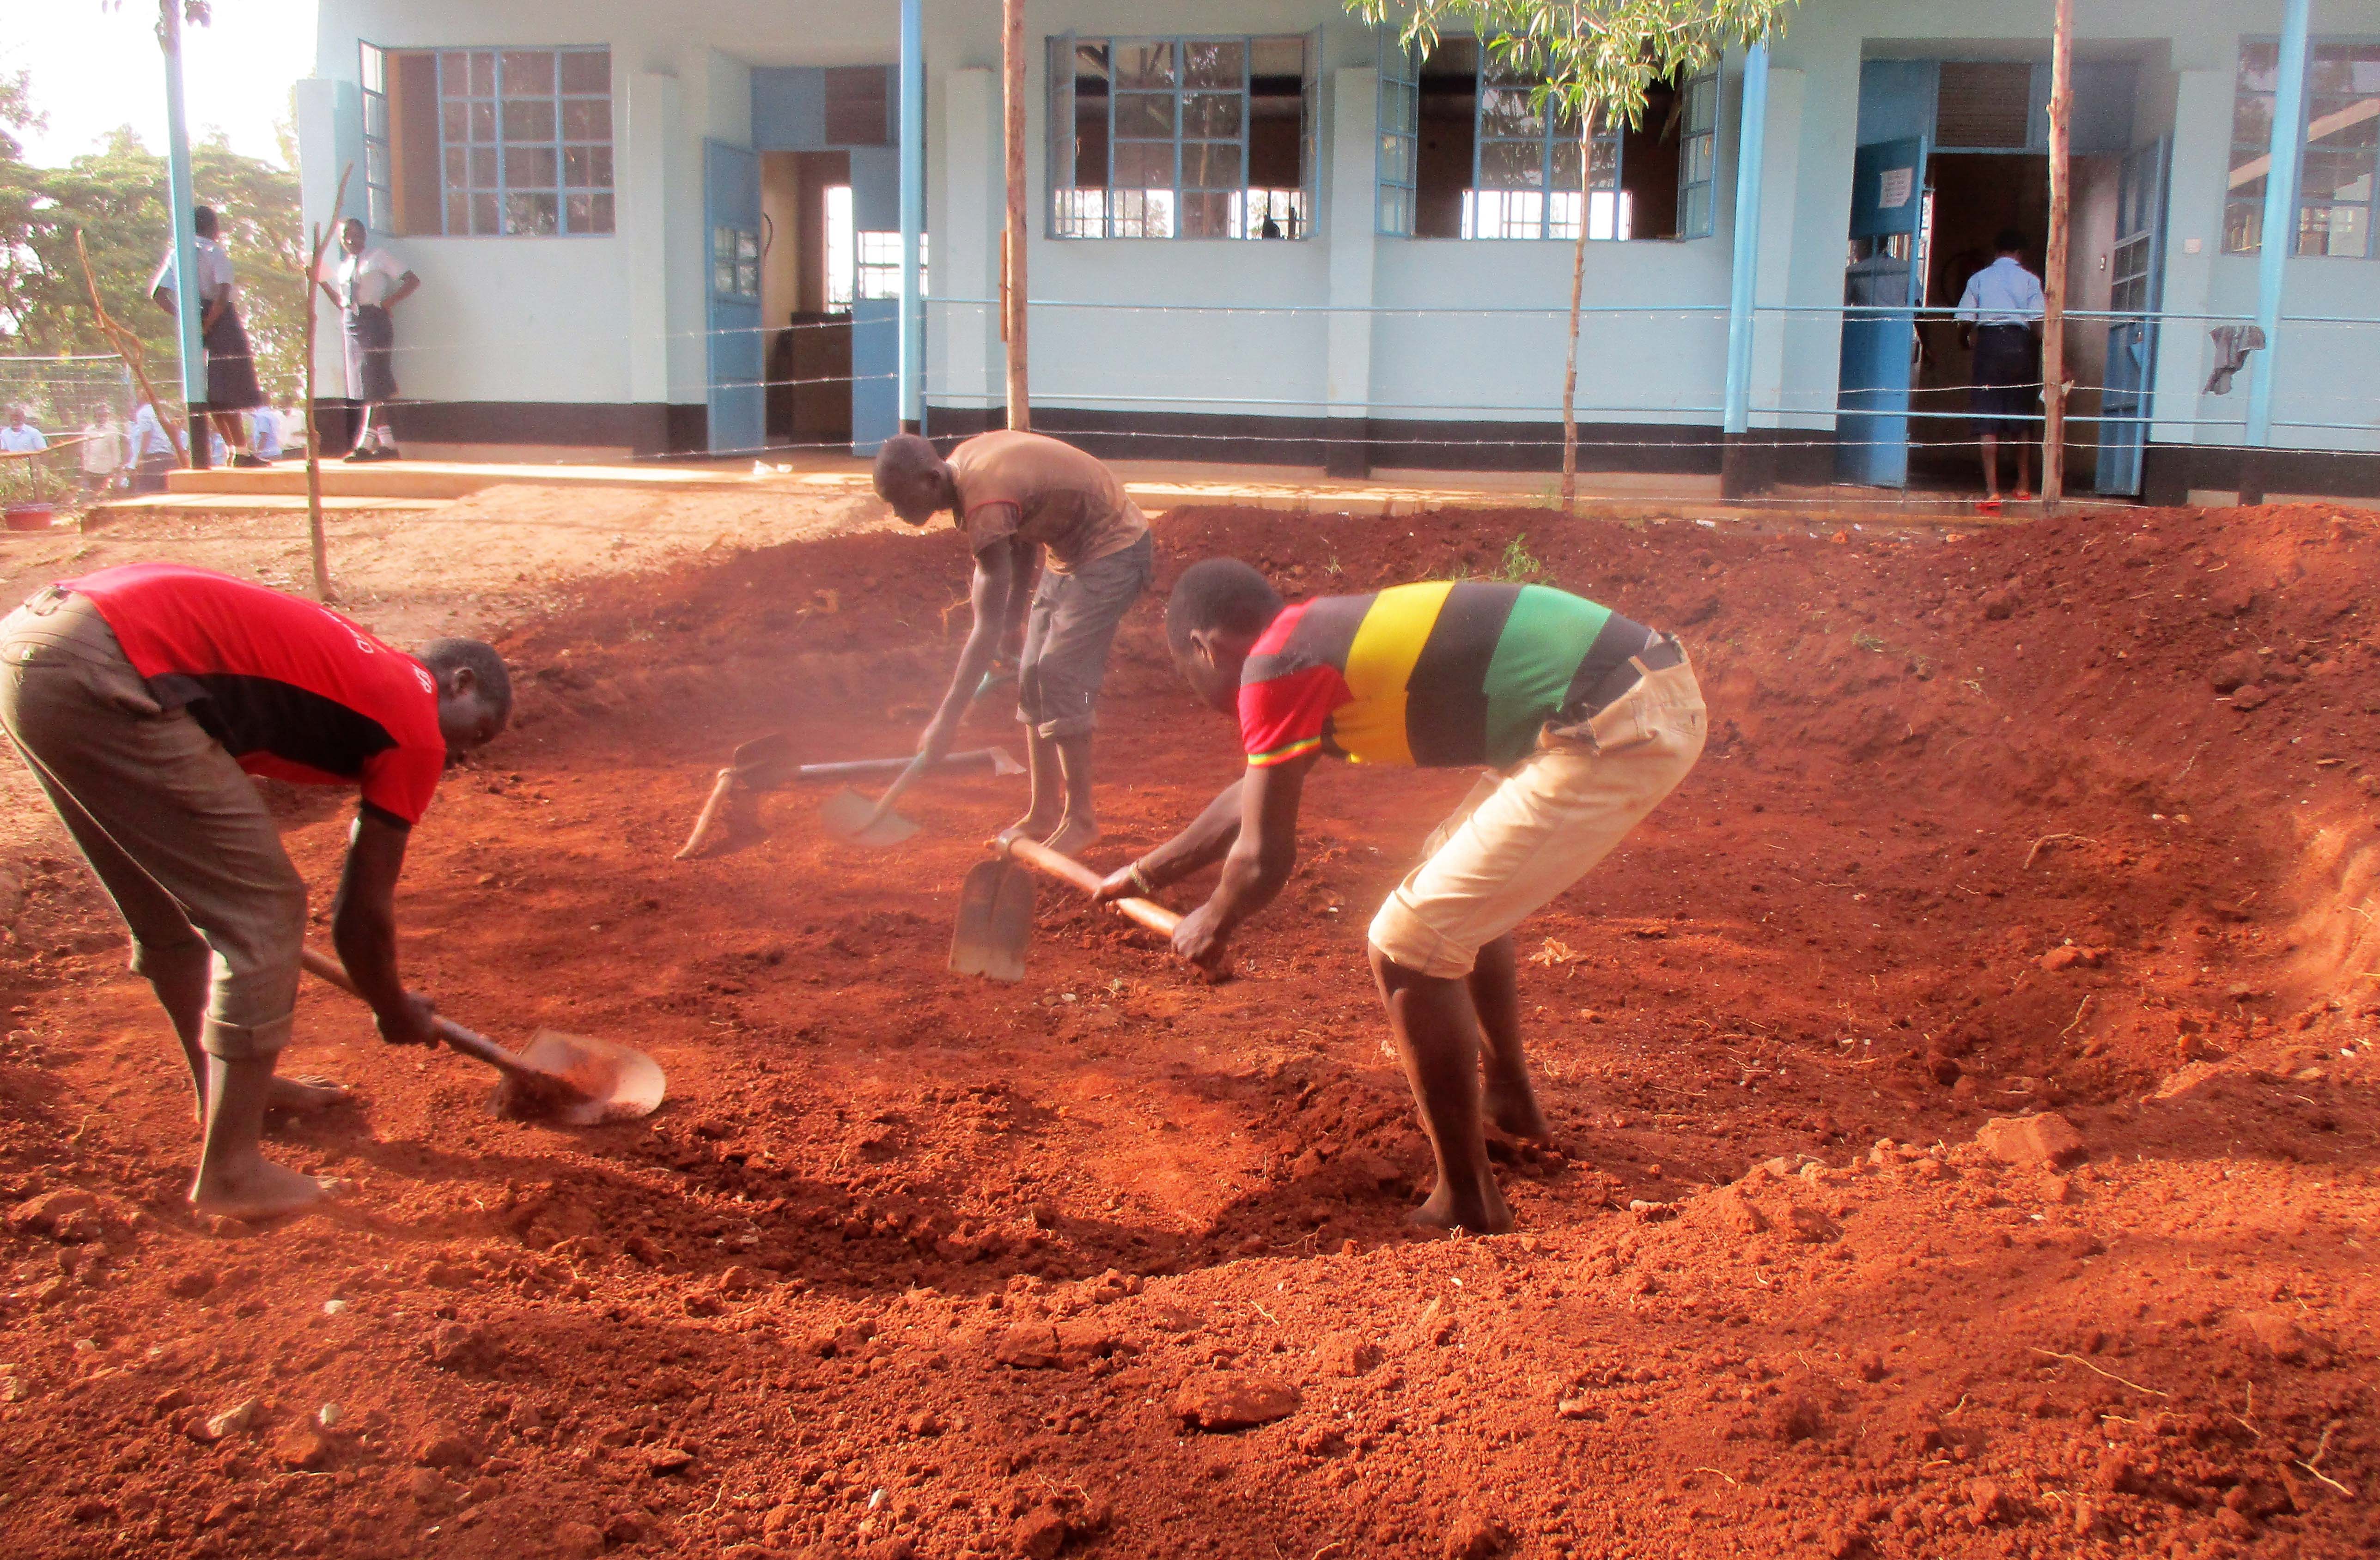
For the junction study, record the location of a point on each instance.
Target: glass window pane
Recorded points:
(483, 167)
(2332, 230)
(747, 278)
(1144, 114)
(2332, 176)
(483, 73)
(1506, 111)
(537, 213)
(1144, 164)
(585, 167)
(1702, 103)
(458, 213)
(1512, 165)
(376, 116)
(1206, 216)
(748, 247)
(455, 120)
(587, 70)
(722, 276)
(601, 214)
(1143, 64)
(2251, 119)
(376, 162)
(587, 119)
(1210, 165)
(528, 121)
(458, 168)
(529, 73)
(2243, 224)
(1210, 63)
(1564, 166)
(483, 215)
(1396, 154)
(2260, 66)
(530, 167)
(2345, 123)
(1696, 160)
(1212, 115)
(483, 122)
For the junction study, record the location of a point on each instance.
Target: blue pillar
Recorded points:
(2280, 214)
(1752, 143)
(182, 197)
(913, 214)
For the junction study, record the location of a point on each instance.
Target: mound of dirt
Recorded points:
(2070, 820)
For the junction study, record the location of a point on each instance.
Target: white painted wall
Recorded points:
(621, 319)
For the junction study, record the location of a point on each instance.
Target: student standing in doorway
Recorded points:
(366, 282)
(2000, 318)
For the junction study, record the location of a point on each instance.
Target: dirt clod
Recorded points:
(444, 1448)
(1040, 1533)
(2047, 1140)
(1226, 1402)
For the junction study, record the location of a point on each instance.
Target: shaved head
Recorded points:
(913, 479)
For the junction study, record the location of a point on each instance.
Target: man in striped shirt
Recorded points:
(1590, 719)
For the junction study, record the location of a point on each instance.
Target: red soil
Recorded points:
(1975, 835)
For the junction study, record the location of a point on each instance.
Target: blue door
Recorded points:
(731, 220)
(2138, 278)
(1879, 323)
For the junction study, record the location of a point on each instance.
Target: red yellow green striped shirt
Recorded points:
(1430, 675)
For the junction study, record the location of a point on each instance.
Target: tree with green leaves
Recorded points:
(116, 198)
(1594, 61)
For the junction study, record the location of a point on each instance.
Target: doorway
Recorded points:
(805, 295)
(1975, 196)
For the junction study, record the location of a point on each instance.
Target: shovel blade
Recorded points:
(846, 815)
(603, 1082)
(995, 922)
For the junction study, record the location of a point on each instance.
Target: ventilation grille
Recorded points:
(858, 105)
(1984, 102)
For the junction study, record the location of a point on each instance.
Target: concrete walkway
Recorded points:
(1154, 485)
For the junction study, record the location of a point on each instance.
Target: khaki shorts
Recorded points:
(171, 825)
(1521, 837)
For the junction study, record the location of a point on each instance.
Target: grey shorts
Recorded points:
(171, 825)
(1068, 634)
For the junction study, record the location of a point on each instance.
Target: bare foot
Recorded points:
(1030, 827)
(301, 1096)
(1484, 1214)
(1074, 836)
(1514, 1113)
(256, 1189)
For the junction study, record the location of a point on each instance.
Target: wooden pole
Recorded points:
(2054, 261)
(313, 432)
(1013, 294)
(135, 356)
(1577, 289)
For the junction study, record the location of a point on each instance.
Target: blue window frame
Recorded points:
(1524, 165)
(1181, 138)
(524, 140)
(2338, 146)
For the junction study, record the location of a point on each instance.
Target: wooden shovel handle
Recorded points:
(1066, 868)
(479, 1047)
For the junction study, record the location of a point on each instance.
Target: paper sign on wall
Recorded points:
(1895, 186)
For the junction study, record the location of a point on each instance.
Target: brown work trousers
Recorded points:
(174, 827)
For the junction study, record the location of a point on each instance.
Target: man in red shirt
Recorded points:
(138, 695)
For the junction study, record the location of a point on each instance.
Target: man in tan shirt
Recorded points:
(1016, 495)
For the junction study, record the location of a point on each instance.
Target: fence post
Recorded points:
(2279, 237)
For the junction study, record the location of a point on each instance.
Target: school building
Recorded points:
(1261, 231)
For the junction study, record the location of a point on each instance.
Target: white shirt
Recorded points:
(2003, 293)
(214, 272)
(364, 281)
(103, 448)
(149, 434)
(21, 440)
(264, 432)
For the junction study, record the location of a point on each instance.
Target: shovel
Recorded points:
(996, 910)
(851, 818)
(765, 762)
(569, 1078)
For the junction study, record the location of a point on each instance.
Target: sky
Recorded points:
(95, 68)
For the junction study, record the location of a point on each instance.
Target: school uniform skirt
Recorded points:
(372, 353)
(231, 366)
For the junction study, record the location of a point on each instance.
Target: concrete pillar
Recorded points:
(330, 138)
(643, 221)
(966, 245)
(1350, 228)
